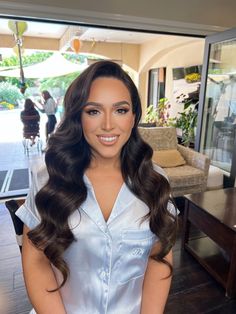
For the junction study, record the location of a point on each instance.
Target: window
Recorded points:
(156, 85)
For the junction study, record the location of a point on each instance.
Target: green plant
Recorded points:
(26, 60)
(151, 114)
(62, 82)
(6, 105)
(187, 122)
(9, 94)
(159, 114)
(163, 113)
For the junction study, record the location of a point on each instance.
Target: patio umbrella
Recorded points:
(56, 65)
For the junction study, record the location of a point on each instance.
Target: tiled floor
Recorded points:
(12, 155)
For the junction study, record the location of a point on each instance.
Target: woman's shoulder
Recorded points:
(50, 100)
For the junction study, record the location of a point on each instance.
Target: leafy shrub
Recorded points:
(9, 93)
(62, 82)
(192, 77)
(6, 105)
(159, 114)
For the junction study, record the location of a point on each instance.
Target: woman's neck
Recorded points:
(104, 170)
(105, 164)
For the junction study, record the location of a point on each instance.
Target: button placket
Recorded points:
(107, 268)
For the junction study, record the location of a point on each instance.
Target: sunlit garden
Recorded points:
(11, 96)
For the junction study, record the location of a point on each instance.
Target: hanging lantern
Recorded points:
(75, 44)
(22, 27)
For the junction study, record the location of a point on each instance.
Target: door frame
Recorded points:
(212, 39)
(93, 18)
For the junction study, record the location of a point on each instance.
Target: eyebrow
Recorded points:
(116, 104)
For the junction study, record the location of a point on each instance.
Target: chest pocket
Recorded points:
(134, 252)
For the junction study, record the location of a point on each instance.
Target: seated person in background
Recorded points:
(30, 118)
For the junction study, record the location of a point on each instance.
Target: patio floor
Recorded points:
(12, 154)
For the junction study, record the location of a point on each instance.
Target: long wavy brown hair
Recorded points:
(69, 155)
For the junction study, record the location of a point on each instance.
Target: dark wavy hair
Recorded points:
(68, 156)
(29, 105)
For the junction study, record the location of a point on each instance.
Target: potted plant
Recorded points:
(150, 117)
(163, 113)
(187, 122)
(157, 116)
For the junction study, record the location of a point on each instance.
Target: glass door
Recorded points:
(217, 107)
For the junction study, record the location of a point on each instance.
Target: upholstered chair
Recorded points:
(186, 169)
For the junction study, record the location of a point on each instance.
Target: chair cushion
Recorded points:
(185, 176)
(168, 158)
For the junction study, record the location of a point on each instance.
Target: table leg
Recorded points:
(186, 225)
(231, 280)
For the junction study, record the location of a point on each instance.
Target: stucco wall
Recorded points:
(169, 52)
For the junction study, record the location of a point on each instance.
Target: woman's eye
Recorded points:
(92, 112)
(122, 110)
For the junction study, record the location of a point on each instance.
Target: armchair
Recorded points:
(187, 178)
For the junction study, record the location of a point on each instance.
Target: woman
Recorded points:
(99, 238)
(30, 119)
(50, 108)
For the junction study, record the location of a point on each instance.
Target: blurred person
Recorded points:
(49, 107)
(30, 119)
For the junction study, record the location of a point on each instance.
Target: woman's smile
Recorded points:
(108, 139)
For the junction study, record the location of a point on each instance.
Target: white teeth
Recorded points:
(108, 139)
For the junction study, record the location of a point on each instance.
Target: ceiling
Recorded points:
(53, 30)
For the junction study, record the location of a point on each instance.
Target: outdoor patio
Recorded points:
(13, 159)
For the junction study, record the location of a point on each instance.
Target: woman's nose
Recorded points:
(107, 123)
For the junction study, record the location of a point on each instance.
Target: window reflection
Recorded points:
(219, 120)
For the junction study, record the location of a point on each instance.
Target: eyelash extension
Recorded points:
(92, 112)
(124, 110)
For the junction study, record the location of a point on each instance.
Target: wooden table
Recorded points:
(214, 214)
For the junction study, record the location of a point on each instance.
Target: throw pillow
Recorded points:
(168, 158)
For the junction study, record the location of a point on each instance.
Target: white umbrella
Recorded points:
(56, 65)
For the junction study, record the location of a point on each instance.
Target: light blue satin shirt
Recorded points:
(108, 261)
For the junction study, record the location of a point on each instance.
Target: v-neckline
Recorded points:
(97, 203)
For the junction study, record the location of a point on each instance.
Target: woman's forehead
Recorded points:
(105, 87)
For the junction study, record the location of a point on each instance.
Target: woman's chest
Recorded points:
(119, 249)
(105, 192)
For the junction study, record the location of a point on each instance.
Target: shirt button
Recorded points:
(103, 275)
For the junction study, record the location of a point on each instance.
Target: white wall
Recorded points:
(170, 52)
(185, 56)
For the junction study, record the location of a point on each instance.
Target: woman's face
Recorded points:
(107, 118)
